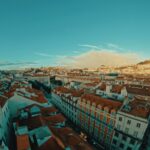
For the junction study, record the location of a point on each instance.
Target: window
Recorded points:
(115, 142)
(132, 141)
(121, 145)
(124, 138)
(129, 122)
(116, 134)
(129, 148)
(118, 127)
(126, 130)
(120, 118)
(138, 125)
(135, 134)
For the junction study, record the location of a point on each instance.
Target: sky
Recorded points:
(79, 33)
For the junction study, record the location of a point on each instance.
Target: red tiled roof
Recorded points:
(99, 100)
(117, 88)
(62, 89)
(39, 95)
(47, 110)
(39, 75)
(138, 90)
(9, 94)
(51, 144)
(91, 84)
(55, 119)
(139, 108)
(69, 138)
(77, 93)
(23, 142)
(103, 87)
(32, 122)
(2, 101)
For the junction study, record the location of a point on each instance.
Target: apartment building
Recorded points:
(115, 123)
(131, 125)
(96, 116)
(4, 123)
(42, 78)
(113, 91)
(66, 99)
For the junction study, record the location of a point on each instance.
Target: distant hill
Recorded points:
(139, 68)
(144, 62)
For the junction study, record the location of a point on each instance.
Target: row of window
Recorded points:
(124, 138)
(135, 134)
(121, 145)
(129, 122)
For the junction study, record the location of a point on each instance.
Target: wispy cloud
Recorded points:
(17, 64)
(76, 52)
(43, 54)
(89, 46)
(114, 46)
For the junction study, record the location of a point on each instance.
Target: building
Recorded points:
(4, 122)
(132, 122)
(96, 116)
(93, 114)
(36, 129)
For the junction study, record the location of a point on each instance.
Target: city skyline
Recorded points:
(53, 33)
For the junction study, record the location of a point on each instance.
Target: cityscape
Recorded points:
(74, 75)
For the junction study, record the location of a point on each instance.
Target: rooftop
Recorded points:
(55, 119)
(3, 100)
(48, 110)
(138, 90)
(101, 101)
(138, 108)
(23, 142)
(70, 138)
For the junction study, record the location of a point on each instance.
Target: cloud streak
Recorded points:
(89, 46)
(43, 54)
(114, 46)
(16, 65)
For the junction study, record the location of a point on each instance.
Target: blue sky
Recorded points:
(38, 33)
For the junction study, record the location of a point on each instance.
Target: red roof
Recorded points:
(32, 122)
(138, 90)
(139, 108)
(117, 88)
(2, 101)
(51, 144)
(77, 93)
(103, 87)
(62, 89)
(23, 142)
(48, 110)
(69, 138)
(101, 101)
(55, 119)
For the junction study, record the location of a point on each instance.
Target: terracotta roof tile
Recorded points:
(51, 144)
(55, 119)
(23, 142)
(48, 110)
(101, 101)
(139, 108)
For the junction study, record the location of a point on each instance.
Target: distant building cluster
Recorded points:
(88, 111)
